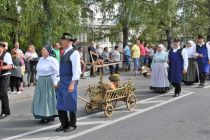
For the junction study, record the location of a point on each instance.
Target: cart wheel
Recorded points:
(88, 108)
(108, 111)
(114, 103)
(131, 102)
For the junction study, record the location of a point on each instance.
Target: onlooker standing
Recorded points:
(6, 60)
(93, 56)
(142, 54)
(146, 59)
(20, 52)
(16, 73)
(116, 58)
(151, 53)
(31, 58)
(107, 58)
(127, 56)
(83, 65)
(136, 55)
(99, 50)
(56, 48)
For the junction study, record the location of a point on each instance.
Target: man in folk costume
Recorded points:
(5, 67)
(70, 71)
(178, 64)
(203, 60)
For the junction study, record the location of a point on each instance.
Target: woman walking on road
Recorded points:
(159, 78)
(44, 101)
(192, 73)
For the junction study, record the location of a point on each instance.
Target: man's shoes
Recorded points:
(201, 85)
(61, 128)
(176, 95)
(70, 128)
(2, 116)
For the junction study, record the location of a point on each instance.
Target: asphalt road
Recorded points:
(156, 117)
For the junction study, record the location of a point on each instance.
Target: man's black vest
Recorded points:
(2, 63)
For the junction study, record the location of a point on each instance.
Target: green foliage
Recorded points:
(38, 21)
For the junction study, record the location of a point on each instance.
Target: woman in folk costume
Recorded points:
(191, 76)
(178, 64)
(44, 101)
(159, 77)
(70, 71)
(203, 60)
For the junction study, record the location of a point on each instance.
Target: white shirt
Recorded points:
(151, 52)
(190, 51)
(76, 66)
(184, 56)
(8, 61)
(48, 66)
(100, 51)
(30, 55)
(116, 55)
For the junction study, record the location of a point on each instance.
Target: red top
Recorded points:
(142, 50)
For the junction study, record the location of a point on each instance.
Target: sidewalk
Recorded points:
(83, 85)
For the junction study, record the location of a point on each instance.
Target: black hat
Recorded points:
(67, 36)
(2, 44)
(200, 37)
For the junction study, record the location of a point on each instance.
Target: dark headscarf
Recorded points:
(50, 50)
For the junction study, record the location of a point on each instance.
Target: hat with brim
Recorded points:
(67, 36)
(2, 44)
(114, 78)
(200, 37)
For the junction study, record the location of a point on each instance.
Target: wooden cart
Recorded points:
(103, 99)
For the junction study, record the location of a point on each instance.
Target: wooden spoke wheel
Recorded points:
(131, 102)
(114, 103)
(88, 108)
(108, 111)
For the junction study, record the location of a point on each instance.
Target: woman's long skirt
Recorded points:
(44, 101)
(159, 78)
(191, 76)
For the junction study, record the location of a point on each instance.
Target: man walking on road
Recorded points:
(203, 60)
(178, 64)
(5, 65)
(70, 71)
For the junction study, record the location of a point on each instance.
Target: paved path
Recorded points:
(157, 117)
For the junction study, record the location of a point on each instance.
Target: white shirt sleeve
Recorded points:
(76, 66)
(8, 59)
(55, 68)
(185, 59)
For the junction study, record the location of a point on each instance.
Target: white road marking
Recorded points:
(86, 117)
(150, 102)
(123, 118)
(207, 87)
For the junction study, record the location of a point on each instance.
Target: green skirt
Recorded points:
(44, 101)
(191, 76)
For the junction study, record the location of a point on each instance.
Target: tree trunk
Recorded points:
(208, 34)
(47, 24)
(125, 34)
(169, 36)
